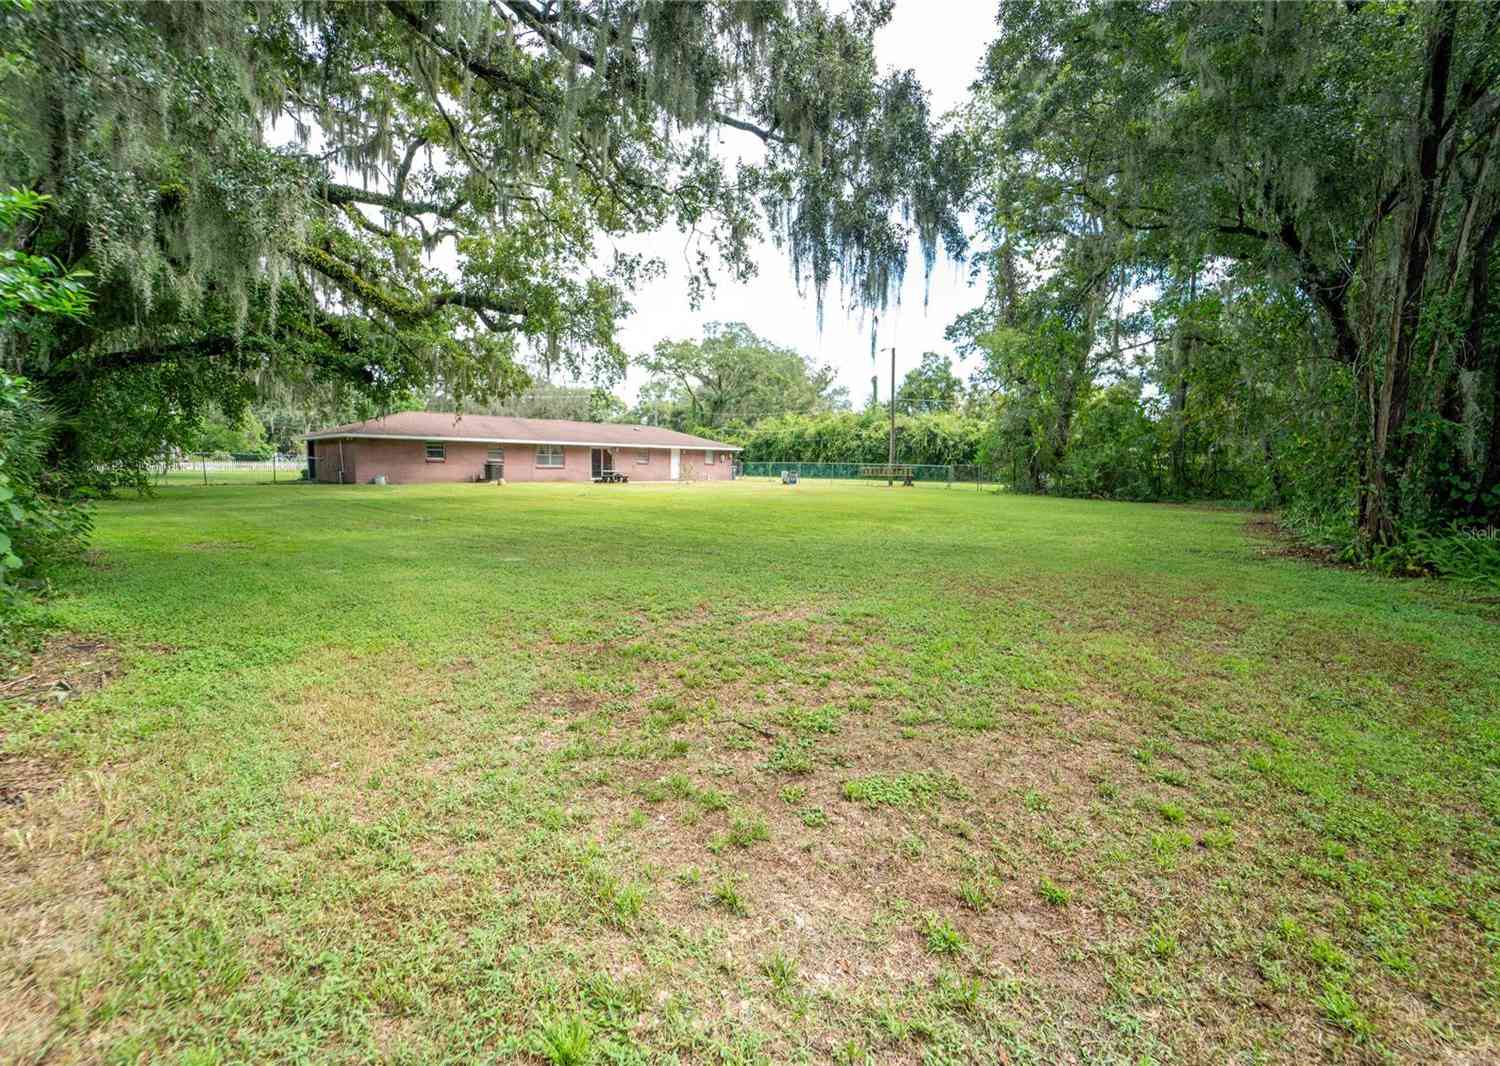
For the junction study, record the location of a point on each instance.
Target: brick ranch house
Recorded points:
(417, 446)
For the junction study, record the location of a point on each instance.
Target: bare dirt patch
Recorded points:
(66, 667)
(1278, 542)
(52, 891)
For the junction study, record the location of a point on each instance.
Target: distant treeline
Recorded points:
(862, 437)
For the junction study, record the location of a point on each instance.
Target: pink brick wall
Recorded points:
(405, 462)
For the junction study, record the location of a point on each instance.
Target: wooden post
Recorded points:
(203, 462)
(892, 460)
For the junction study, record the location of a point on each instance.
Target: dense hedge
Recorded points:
(862, 437)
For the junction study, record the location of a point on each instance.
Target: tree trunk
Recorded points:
(1177, 400)
(1379, 509)
(1481, 350)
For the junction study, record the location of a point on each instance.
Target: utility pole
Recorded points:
(891, 455)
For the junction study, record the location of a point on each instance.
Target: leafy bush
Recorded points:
(863, 437)
(41, 520)
(1470, 554)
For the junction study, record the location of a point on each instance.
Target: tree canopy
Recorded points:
(375, 199)
(930, 386)
(1280, 220)
(730, 376)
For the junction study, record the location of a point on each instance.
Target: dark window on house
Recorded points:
(549, 455)
(495, 455)
(436, 452)
(708, 458)
(642, 456)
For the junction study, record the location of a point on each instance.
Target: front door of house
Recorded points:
(603, 462)
(676, 463)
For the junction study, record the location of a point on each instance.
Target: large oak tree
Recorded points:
(1340, 155)
(378, 198)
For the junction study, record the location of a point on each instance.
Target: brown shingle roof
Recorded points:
(499, 429)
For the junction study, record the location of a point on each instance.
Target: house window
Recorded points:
(436, 452)
(495, 455)
(642, 456)
(708, 458)
(549, 455)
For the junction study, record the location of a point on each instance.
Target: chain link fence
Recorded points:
(929, 473)
(228, 468)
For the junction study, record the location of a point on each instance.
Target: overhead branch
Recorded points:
(337, 193)
(403, 307)
(541, 21)
(405, 168)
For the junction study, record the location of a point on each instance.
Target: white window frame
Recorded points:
(642, 456)
(708, 457)
(545, 455)
(442, 451)
(495, 454)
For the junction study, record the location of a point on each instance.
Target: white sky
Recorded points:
(945, 52)
(943, 41)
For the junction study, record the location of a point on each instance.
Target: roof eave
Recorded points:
(441, 439)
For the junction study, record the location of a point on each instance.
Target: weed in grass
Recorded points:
(975, 720)
(727, 897)
(1035, 801)
(1273, 972)
(791, 757)
(1340, 1008)
(912, 847)
(889, 1023)
(1172, 813)
(792, 795)
(851, 1053)
(813, 817)
(1396, 961)
(1167, 846)
(781, 971)
(679, 786)
(900, 790)
(626, 904)
(957, 993)
(565, 1042)
(1217, 839)
(974, 894)
(1326, 957)
(1053, 893)
(747, 830)
(961, 828)
(940, 936)
(811, 720)
(1162, 943)
(1175, 778)
(711, 799)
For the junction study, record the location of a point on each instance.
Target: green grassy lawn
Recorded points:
(741, 773)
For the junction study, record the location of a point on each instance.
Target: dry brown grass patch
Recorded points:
(66, 667)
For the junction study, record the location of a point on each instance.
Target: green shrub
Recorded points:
(43, 521)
